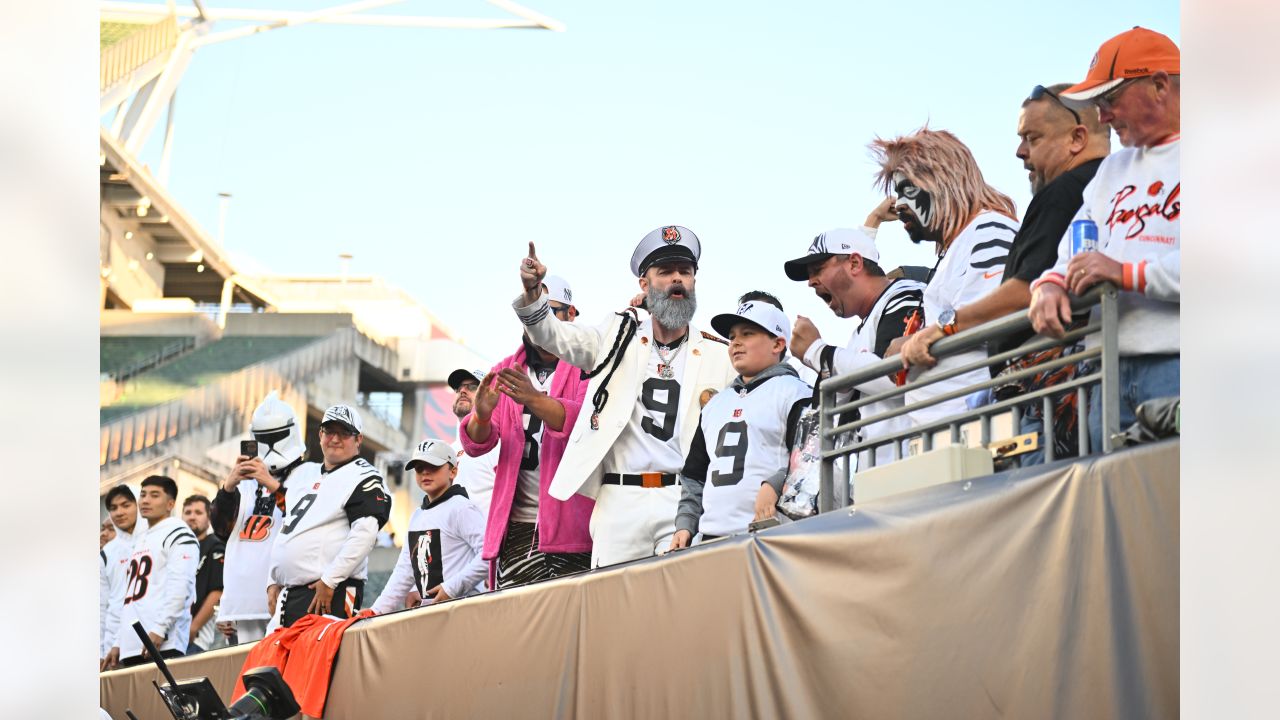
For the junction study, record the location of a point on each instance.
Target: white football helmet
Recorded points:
(275, 427)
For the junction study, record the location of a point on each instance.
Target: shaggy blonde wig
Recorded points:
(938, 163)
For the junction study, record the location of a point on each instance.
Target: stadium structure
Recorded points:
(955, 587)
(190, 344)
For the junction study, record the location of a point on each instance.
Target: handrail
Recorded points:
(236, 394)
(832, 494)
(153, 360)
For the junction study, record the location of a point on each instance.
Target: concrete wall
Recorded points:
(285, 324)
(126, 323)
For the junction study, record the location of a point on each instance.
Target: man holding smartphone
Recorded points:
(333, 511)
(247, 514)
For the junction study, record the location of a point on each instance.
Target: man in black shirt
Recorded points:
(1061, 147)
(195, 513)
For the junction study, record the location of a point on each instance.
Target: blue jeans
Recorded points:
(1142, 377)
(1029, 424)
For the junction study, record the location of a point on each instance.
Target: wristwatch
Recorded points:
(947, 321)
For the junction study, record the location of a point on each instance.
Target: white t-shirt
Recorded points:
(525, 506)
(651, 440)
(443, 546)
(972, 267)
(476, 474)
(245, 572)
(161, 587)
(1136, 200)
(745, 435)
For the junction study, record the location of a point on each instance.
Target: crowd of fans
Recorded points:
(595, 445)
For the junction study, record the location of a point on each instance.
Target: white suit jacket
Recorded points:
(706, 367)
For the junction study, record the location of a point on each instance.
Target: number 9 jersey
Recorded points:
(742, 441)
(321, 510)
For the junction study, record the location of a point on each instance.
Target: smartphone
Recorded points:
(249, 448)
(758, 525)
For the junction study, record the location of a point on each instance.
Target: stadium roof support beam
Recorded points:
(526, 18)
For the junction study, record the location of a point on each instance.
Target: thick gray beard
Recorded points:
(670, 313)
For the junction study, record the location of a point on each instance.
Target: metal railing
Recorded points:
(235, 395)
(164, 354)
(1104, 372)
(119, 60)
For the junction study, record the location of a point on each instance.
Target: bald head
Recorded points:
(1055, 137)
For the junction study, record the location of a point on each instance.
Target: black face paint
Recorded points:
(914, 207)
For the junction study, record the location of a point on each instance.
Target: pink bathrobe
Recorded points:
(563, 526)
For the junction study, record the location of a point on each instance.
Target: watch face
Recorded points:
(946, 317)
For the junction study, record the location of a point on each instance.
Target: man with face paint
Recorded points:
(1061, 148)
(942, 198)
(1134, 199)
(649, 377)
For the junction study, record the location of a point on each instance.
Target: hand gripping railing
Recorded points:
(1105, 325)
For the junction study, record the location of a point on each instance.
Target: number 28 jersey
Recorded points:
(320, 508)
(160, 587)
(744, 431)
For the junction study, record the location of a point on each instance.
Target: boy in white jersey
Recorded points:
(333, 511)
(744, 434)
(247, 514)
(162, 579)
(122, 513)
(441, 558)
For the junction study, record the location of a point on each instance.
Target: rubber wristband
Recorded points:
(1127, 274)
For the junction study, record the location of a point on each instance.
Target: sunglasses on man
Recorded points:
(1040, 91)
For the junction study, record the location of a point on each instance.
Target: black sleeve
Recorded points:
(369, 499)
(1035, 249)
(893, 321)
(217, 558)
(223, 514)
(793, 419)
(695, 465)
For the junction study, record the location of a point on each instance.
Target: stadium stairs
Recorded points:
(208, 395)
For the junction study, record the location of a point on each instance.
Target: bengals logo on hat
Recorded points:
(670, 235)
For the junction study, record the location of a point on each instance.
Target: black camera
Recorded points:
(266, 695)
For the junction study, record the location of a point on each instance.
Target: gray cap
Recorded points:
(432, 452)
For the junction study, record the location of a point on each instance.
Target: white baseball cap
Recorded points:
(432, 452)
(838, 241)
(344, 415)
(670, 243)
(558, 289)
(769, 318)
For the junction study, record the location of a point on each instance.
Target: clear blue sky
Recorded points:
(435, 155)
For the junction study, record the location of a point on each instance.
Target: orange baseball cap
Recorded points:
(1131, 54)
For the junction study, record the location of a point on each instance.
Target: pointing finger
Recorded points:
(533, 252)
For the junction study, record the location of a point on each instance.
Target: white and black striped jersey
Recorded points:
(331, 522)
(255, 517)
(160, 587)
(443, 547)
(886, 320)
(113, 572)
(743, 439)
(972, 267)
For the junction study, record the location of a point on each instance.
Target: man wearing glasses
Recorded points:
(333, 511)
(1135, 201)
(1061, 148)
